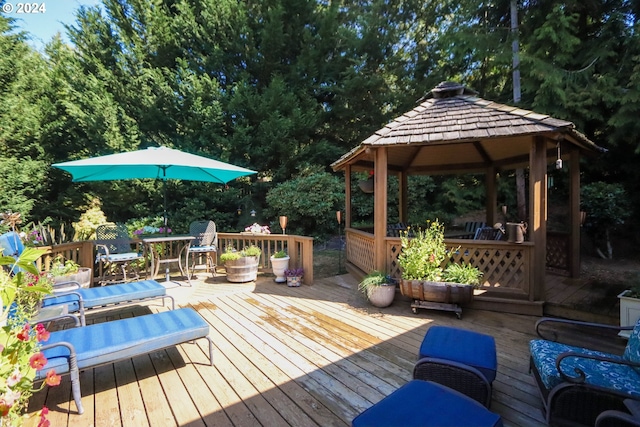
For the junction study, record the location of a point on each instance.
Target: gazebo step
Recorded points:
(508, 305)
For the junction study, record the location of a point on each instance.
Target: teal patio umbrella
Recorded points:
(156, 163)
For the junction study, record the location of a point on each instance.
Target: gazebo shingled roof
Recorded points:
(454, 115)
(454, 131)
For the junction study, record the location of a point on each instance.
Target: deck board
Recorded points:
(313, 355)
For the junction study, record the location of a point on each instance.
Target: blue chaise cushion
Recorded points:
(105, 295)
(121, 339)
(605, 374)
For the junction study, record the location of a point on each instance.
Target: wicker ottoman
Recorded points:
(427, 404)
(462, 360)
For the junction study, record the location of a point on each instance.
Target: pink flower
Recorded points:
(38, 361)
(52, 379)
(14, 378)
(44, 422)
(41, 333)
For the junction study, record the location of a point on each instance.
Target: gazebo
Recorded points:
(454, 132)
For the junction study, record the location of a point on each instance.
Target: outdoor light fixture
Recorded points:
(283, 223)
(559, 160)
(253, 212)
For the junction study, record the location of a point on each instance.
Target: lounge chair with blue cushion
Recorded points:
(80, 300)
(578, 384)
(72, 350)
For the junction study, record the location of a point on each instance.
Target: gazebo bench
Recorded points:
(75, 349)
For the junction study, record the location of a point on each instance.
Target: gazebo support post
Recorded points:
(403, 197)
(491, 203)
(538, 220)
(574, 209)
(347, 197)
(380, 206)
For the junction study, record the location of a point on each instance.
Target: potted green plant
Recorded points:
(427, 279)
(69, 271)
(379, 288)
(279, 263)
(629, 307)
(294, 276)
(241, 266)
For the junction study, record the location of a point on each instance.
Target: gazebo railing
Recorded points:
(506, 266)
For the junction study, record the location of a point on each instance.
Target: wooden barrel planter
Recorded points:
(437, 295)
(243, 269)
(83, 277)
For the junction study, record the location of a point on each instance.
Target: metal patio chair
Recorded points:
(204, 245)
(115, 256)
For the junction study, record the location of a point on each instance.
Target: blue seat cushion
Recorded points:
(127, 256)
(605, 374)
(105, 295)
(424, 403)
(121, 339)
(211, 248)
(462, 346)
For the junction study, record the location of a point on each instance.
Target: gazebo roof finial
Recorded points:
(449, 89)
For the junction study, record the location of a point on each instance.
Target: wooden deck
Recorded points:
(314, 355)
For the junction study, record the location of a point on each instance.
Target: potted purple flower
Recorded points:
(294, 276)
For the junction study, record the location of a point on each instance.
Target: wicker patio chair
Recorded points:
(204, 245)
(577, 385)
(460, 359)
(115, 256)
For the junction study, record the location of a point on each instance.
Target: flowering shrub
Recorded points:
(148, 229)
(32, 238)
(257, 228)
(294, 272)
(20, 355)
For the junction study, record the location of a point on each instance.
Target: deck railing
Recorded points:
(506, 266)
(81, 252)
(299, 249)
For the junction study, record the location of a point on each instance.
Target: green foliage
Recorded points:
(85, 228)
(280, 254)
(465, 274)
(374, 279)
(25, 179)
(607, 207)
(424, 254)
(606, 204)
(310, 202)
(62, 267)
(230, 254)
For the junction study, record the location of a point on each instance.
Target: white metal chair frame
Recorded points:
(205, 243)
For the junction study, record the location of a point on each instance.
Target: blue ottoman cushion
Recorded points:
(424, 403)
(462, 346)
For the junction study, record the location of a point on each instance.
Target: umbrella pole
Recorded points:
(164, 190)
